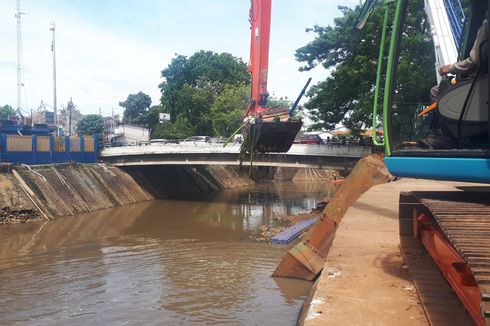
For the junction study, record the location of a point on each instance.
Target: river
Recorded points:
(162, 262)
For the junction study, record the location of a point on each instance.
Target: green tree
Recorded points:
(6, 111)
(153, 116)
(91, 124)
(281, 102)
(136, 108)
(179, 129)
(228, 108)
(346, 96)
(193, 83)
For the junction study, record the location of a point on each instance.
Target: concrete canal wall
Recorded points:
(175, 181)
(51, 191)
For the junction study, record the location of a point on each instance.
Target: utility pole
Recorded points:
(19, 57)
(112, 121)
(70, 107)
(53, 49)
(66, 119)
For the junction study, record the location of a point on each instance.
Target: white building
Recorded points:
(129, 134)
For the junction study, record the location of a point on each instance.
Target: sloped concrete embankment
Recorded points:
(188, 181)
(51, 191)
(195, 181)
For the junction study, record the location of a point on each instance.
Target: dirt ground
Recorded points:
(365, 280)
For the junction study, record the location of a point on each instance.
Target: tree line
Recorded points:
(346, 96)
(205, 94)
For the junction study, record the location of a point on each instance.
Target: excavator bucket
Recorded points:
(273, 136)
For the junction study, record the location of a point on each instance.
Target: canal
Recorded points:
(162, 262)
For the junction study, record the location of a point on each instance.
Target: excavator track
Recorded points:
(454, 227)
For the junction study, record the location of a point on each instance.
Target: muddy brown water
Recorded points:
(163, 262)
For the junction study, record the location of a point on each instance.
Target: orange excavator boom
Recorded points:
(265, 129)
(260, 24)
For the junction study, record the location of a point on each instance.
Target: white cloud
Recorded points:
(95, 67)
(317, 9)
(284, 61)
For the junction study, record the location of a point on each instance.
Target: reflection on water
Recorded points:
(160, 262)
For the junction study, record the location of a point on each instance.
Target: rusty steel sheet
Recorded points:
(306, 259)
(464, 219)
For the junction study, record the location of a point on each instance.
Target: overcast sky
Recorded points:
(107, 49)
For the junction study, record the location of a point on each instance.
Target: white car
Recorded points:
(197, 139)
(158, 141)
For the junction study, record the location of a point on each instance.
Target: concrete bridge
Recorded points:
(300, 156)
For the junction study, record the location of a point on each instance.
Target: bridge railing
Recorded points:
(198, 148)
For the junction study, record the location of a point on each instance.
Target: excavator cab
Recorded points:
(448, 139)
(265, 129)
(463, 103)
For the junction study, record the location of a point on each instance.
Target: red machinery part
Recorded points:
(260, 21)
(452, 266)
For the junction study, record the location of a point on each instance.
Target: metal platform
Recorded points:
(455, 229)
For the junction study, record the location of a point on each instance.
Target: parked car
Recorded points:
(159, 141)
(197, 139)
(308, 139)
(123, 143)
(162, 141)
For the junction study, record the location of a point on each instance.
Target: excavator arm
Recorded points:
(260, 25)
(265, 129)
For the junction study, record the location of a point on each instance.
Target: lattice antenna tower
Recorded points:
(20, 82)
